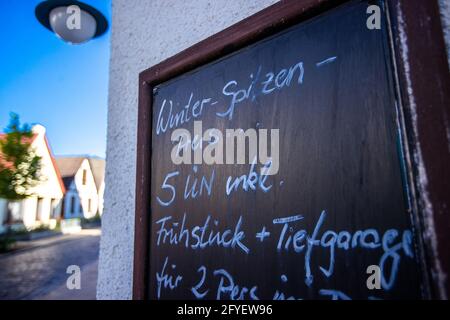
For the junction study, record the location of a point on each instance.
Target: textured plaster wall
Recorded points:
(144, 32)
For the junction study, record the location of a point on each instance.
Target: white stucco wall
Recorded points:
(101, 194)
(144, 32)
(86, 192)
(49, 189)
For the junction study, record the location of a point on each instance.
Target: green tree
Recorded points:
(19, 165)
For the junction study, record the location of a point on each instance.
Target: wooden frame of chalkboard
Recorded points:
(421, 72)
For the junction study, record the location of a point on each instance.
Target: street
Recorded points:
(38, 272)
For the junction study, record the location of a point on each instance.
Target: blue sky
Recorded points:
(46, 81)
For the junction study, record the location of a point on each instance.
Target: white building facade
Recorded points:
(44, 205)
(83, 179)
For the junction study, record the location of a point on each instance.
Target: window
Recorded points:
(89, 205)
(84, 177)
(54, 208)
(14, 214)
(72, 205)
(39, 208)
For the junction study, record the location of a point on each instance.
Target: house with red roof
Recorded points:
(44, 206)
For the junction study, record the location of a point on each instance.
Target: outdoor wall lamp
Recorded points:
(73, 21)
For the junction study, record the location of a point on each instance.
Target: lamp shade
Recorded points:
(72, 33)
(74, 25)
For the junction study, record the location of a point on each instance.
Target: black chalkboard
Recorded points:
(337, 204)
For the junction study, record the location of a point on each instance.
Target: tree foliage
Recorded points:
(19, 164)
